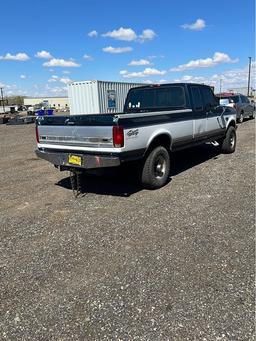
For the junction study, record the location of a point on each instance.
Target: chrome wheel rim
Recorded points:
(232, 140)
(160, 167)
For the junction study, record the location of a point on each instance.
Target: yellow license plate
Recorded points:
(75, 160)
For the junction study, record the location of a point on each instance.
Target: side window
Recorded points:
(235, 99)
(173, 97)
(197, 98)
(208, 96)
(244, 99)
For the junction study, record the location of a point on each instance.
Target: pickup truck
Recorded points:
(157, 120)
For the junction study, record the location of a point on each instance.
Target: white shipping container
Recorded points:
(8, 108)
(98, 97)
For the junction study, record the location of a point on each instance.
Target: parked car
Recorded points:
(157, 120)
(244, 108)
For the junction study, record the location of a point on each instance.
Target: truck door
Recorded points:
(199, 120)
(213, 112)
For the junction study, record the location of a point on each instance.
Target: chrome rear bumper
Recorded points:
(88, 161)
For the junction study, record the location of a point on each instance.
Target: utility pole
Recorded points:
(249, 76)
(220, 84)
(2, 99)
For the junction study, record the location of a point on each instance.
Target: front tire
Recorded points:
(252, 115)
(228, 144)
(156, 168)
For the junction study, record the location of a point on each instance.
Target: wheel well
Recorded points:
(232, 123)
(160, 140)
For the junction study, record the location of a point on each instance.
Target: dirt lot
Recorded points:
(122, 263)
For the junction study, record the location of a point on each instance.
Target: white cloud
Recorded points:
(87, 57)
(12, 89)
(21, 57)
(154, 56)
(140, 62)
(147, 34)
(43, 54)
(218, 58)
(235, 78)
(146, 72)
(198, 25)
(53, 79)
(66, 72)
(126, 34)
(189, 79)
(93, 34)
(161, 81)
(65, 80)
(23, 76)
(230, 79)
(60, 91)
(110, 49)
(149, 71)
(61, 62)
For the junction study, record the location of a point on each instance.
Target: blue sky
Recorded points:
(45, 44)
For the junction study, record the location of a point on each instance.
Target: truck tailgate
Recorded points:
(77, 141)
(83, 132)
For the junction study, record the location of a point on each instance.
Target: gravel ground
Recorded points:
(122, 263)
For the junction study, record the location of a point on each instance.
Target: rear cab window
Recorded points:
(155, 99)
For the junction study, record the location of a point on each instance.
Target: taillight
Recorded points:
(37, 134)
(118, 136)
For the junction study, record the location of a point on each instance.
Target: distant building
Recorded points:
(243, 91)
(53, 102)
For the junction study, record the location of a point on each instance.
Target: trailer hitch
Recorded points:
(76, 181)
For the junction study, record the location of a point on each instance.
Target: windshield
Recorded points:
(161, 98)
(231, 99)
(224, 101)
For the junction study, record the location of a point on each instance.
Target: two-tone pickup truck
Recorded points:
(157, 120)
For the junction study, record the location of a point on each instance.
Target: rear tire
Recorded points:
(228, 144)
(156, 168)
(241, 118)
